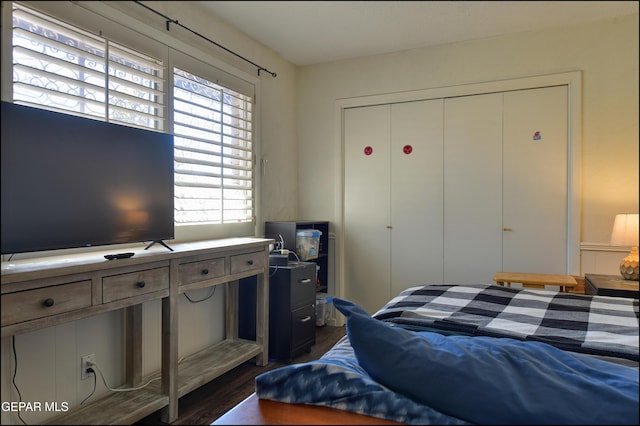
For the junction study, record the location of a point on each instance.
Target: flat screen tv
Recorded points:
(70, 182)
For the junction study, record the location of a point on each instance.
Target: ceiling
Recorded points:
(312, 32)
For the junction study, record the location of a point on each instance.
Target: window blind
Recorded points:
(213, 151)
(60, 67)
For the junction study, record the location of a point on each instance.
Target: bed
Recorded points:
(464, 354)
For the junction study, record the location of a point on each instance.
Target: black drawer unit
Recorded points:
(292, 313)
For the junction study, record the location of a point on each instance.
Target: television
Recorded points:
(70, 182)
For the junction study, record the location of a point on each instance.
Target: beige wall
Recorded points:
(606, 52)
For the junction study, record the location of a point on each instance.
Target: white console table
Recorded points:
(39, 293)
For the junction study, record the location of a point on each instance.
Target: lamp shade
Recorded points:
(625, 230)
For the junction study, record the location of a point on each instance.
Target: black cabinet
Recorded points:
(610, 285)
(286, 231)
(292, 314)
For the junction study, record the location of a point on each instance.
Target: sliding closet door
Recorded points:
(392, 200)
(535, 184)
(472, 188)
(367, 247)
(416, 194)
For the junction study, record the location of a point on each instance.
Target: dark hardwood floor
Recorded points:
(207, 403)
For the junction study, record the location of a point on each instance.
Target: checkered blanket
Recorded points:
(595, 325)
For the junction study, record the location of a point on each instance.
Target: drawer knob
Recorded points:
(205, 272)
(48, 303)
(250, 261)
(305, 319)
(141, 284)
(305, 280)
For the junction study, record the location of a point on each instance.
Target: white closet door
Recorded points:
(367, 249)
(416, 194)
(472, 188)
(535, 180)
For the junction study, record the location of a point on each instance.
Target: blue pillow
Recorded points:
(490, 380)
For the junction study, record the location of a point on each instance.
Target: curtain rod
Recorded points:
(174, 21)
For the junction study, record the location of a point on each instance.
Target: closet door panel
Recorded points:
(535, 180)
(416, 194)
(367, 219)
(472, 188)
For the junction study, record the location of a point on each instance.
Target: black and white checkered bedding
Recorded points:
(596, 325)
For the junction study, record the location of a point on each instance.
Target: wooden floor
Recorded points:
(207, 403)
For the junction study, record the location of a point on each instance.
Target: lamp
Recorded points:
(625, 233)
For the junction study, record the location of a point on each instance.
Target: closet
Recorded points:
(452, 190)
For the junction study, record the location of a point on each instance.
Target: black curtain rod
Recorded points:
(173, 21)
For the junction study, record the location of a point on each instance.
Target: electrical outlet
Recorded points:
(85, 361)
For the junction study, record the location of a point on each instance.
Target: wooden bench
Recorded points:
(565, 282)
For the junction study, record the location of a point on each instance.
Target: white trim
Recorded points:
(572, 79)
(604, 247)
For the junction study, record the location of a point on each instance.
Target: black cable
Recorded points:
(95, 382)
(174, 21)
(205, 298)
(15, 372)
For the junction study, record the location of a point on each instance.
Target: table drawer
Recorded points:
(43, 302)
(123, 286)
(247, 262)
(193, 272)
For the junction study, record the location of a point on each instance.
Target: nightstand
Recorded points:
(610, 285)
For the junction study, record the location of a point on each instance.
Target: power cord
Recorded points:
(212, 291)
(95, 382)
(93, 367)
(287, 253)
(15, 372)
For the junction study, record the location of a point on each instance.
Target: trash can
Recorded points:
(321, 310)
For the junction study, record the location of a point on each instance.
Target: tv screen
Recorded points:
(71, 182)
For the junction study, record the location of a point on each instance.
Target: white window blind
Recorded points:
(213, 152)
(60, 67)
